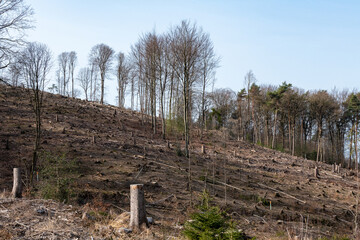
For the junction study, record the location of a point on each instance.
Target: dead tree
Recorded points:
(137, 207)
(17, 187)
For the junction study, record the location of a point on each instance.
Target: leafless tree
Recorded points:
(207, 70)
(36, 63)
(84, 78)
(165, 72)
(14, 73)
(249, 80)
(63, 60)
(93, 81)
(101, 55)
(72, 65)
(187, 43)
(123, 74)
(15, 18)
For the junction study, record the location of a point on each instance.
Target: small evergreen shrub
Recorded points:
(56, 177)
(211, 223)
(179, 152)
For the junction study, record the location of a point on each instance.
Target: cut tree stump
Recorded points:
(137, 207)
(203, 151)
(316, 172)
(338, 168)
(17, 187)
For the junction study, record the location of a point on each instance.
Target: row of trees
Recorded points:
(166, 74)
(315, 124)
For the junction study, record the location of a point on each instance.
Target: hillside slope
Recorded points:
(126, 152)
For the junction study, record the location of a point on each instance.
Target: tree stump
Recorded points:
(203, 151)
(56, 118)
(337, 169)
(316, 172)
(17, 187)
(93, 140)
(333, 167)
(137, 207)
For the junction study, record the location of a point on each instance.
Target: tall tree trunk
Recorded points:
(319, 142)
(351, 145)
(255, 124)
(202, 109)
(163, 123)
(289, 130)
(274, 130)
(102, 87)
(355, 143)
(293, 137)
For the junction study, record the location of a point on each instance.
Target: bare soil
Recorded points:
(126, 152)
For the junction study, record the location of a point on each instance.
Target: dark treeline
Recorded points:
(170, 76)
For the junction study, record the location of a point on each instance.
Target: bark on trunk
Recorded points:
(17, 187)
(137, 207)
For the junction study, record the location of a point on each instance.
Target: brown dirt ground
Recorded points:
(300, 203)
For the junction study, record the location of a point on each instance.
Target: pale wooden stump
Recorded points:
(17, 187)
(137, 207)
(203, 151)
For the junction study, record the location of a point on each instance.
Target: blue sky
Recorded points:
(311, 44)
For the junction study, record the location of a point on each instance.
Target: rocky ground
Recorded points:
(113, 149)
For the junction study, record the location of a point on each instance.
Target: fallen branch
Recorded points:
(261, 218)
(162, 200)
(275, 190)
(140, 171)
(333, 175)
(119, 208)
(167, 165)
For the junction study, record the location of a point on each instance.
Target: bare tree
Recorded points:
(165, 72)
(84, 78)
(72, 65)
(63, 60)
(101, 55)
(187, 43)
(14, 73)
(36, 63)
(93, 81)
(208, 66)
(122, 74)
(15, 18)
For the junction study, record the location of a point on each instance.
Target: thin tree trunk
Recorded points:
(274, 131)
(319, 142)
